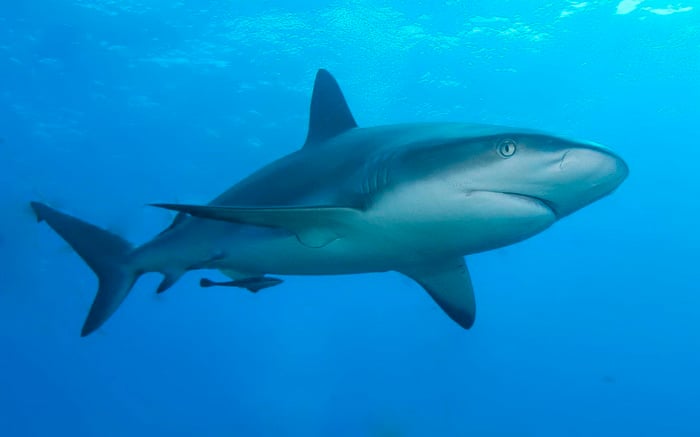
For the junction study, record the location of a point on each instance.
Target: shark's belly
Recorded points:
(399, 233)
(286, 255)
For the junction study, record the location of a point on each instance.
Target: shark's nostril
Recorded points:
(562, 161)
(597, 166)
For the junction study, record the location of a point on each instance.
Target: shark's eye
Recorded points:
(506, 148)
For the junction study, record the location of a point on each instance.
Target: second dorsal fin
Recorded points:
(329, 113)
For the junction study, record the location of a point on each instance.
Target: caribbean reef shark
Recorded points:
(410, 198)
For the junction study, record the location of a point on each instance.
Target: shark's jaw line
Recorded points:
(538, 200)
(543, 202)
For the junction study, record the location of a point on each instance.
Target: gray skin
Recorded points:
(412, 198)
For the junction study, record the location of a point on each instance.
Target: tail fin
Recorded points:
(104, 252)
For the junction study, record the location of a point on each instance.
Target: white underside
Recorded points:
(405, 228)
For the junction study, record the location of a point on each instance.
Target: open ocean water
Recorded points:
(591, 328)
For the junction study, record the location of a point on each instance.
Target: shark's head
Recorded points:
(562, 174)
(510, 183)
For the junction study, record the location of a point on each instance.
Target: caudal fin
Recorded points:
(105, 253)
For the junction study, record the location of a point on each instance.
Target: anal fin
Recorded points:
(169, 279)
(450, 286)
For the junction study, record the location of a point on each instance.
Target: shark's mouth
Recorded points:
(551, 206)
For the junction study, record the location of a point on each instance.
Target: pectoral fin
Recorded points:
(314, 226)
(450, 286)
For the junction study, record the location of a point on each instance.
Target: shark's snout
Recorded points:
(586, 174)
(600, 167)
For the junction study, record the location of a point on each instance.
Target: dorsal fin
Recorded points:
(329, 115)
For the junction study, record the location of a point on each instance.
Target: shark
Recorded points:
(413, 198)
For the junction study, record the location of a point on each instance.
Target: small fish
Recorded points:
(251, 284)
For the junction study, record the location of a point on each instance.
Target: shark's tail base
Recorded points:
(105, 253)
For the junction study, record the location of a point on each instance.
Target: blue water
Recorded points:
(590, 328)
